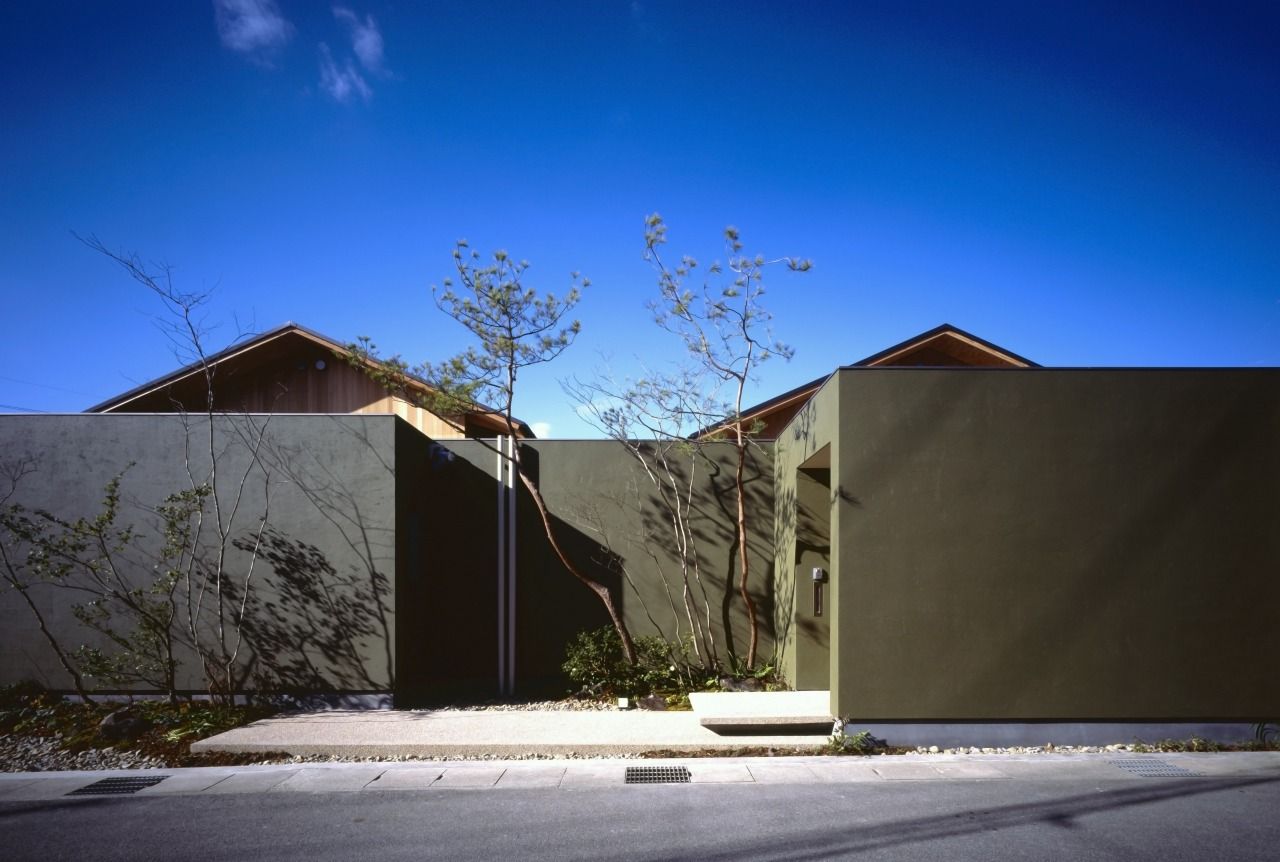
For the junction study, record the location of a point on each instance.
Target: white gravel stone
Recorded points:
(44, 754)
(569, 705)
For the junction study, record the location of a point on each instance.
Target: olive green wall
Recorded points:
(1011, 545)
(1057, 544)
(379, 571)
(323, 615)
(805, 519)
(608, 517)
(446, 596)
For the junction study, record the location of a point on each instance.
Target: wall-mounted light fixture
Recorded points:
(819, 578)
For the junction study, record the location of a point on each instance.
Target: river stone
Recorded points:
(122, 724)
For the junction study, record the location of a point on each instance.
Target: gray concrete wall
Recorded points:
(1067, 545)
(322, 602)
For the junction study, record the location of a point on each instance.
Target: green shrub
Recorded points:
(22, 694)
(595, 661)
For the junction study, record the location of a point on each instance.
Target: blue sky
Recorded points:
(1084, 185)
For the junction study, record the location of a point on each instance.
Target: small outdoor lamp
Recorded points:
(819, 578)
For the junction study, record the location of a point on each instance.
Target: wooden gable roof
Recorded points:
(941, 347)
(292, 369)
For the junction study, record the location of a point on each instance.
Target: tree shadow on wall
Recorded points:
(552, 606)
(717, 524)
(308, 625)
(369, 542)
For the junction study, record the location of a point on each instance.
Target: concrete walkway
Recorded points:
(387, 733)
(577, 775)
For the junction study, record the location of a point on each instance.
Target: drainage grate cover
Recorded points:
(1145, 767)
(657, 775)
(118, 786)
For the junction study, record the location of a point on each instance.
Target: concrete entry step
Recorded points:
(757, 711)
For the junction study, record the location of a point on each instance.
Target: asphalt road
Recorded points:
(1139, 819)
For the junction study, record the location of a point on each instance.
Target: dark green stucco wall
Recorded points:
(607, 518)
(1012, 545)
(329, 566)
(1056, 544)
(804, 523)
(381, 571)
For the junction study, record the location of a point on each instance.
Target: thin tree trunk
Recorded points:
(628, 646)
(76, 679)
(744, 567)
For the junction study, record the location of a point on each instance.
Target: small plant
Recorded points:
(1266, 732)
(741, 678)
(21, 694)
(862, 742)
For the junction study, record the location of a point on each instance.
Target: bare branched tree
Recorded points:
(725, 330)
(204, 522)
(515, 327)
(650, 418)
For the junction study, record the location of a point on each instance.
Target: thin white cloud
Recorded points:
(251, 27)
(541, 430)
(342, 82)
(366, 38)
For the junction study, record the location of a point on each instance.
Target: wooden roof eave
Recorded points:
(188, 372)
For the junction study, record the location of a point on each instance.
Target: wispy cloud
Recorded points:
(366, 38)
(541, 430)
(342, 82)
(254, 28)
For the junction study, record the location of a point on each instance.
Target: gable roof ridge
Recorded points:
(239, 347)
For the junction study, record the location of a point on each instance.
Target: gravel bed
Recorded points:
(532, 706)
(431, 758)
(43, 754)
(1037, 749)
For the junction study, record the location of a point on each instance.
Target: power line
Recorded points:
(44, 385)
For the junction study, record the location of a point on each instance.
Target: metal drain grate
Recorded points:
(1145, 767)
(657, 775)
(118, 786)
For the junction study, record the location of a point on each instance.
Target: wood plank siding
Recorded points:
(293, 370)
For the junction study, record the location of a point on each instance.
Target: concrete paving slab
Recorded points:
(907, 771)
(741, 712)
(321, 780)
(717, 772)
(56, 788)
(1073, 767)
(842, 769)
(532, 776)
(587, 776)
(978, 770)
(13, 785)
(187, 781)
(469, 776)
(782, 773)
(763, 704)
(407, 778)
(1226, 763)
(467, 734)
(259, 781)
